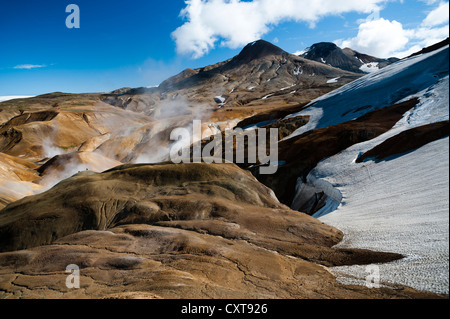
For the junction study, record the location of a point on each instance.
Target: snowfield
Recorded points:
(335, 80)
(376, 90)
(399, 204)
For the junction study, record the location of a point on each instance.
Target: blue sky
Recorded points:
(142, 42)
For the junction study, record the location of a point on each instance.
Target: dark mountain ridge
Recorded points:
(345, 59)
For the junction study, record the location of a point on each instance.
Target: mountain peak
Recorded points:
(257, 50)
(321, 49)
(345, 59)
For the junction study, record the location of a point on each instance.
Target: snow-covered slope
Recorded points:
(399, 204)
(376, 90)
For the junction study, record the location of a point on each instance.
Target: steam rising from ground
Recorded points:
(126, 138)
(171, 113)
(68, 165)
(140, 134)
(49, 147)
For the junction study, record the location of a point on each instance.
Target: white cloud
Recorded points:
(379, 38)
(29, 66)
(383, 38)
(438, 16)
(234, 23)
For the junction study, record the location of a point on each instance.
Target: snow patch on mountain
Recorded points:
(370, 67)
(302, 52)
(335, 80)
(220, 100)
(288, 87)
(267, 96)
(298, 71)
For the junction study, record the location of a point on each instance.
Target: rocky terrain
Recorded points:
(172, 231)
(85, 180)
(134, 125)
(261, 74)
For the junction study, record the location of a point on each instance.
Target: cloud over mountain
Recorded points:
(438, 16)
(233, 23)
(386, 38)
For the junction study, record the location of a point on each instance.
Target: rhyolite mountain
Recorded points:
(260, 74)
(345, 59)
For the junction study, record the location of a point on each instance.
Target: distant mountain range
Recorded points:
(260, 74)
